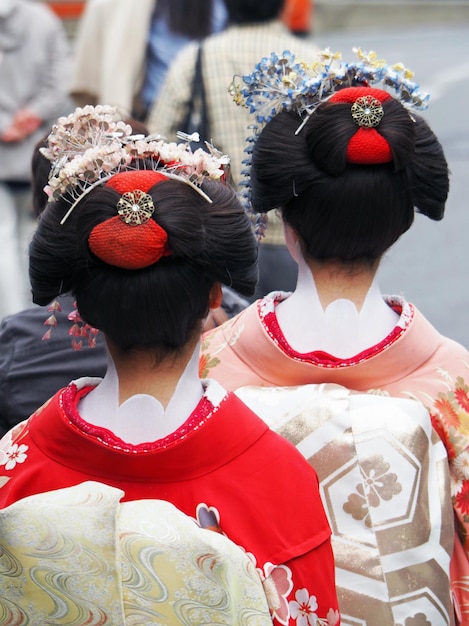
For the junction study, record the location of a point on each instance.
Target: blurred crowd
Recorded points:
(118, 56)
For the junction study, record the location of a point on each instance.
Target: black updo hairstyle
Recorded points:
(40, 170)
(340, 210)
(160, 306)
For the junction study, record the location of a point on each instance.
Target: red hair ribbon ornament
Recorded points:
(131, 240)
(366, 146)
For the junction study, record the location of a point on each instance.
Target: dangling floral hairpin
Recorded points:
(79, 330)
(285, 83)
(91, 145)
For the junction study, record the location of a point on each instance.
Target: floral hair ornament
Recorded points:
(92, 145)
(284, 83)
(131, 239)
(367, 111)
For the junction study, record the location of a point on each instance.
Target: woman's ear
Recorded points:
(215, 297)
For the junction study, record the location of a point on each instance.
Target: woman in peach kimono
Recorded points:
(347, 164)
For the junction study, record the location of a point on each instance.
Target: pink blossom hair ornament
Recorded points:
(53, 308)
(92, 145)
(79, 330)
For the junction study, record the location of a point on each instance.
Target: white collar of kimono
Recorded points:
(142, 417)
(339, 329)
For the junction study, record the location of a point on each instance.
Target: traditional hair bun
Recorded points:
(137, 179)
(351, 94)
(131, 240)
(282, 83)
(120, 245)
(367, 146)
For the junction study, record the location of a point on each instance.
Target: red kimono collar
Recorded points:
(213, 435)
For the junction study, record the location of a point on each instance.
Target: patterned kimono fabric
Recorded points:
(384, 484)
(414, 362)
(232, 478)
(140, 562)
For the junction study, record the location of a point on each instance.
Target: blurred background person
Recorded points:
(36, 357)
(122, 50)
(255, 28)
(34, 69)
(298, 16)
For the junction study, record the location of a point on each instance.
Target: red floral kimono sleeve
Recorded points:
(302, 591)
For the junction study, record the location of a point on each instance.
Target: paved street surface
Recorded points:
(429, 265)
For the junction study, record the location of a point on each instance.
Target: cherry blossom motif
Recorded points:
(419, 619)
(80, 330)
(332, 618)
(277, 582)
(378, 484)
(303, 608)
(13, 455)
(208, 517)
(90, 145)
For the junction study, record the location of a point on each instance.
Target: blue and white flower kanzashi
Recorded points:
(283, 82)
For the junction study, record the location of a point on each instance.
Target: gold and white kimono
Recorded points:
(385, 487)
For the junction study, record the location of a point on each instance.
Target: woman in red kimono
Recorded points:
(143, 234)
(338, 150)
